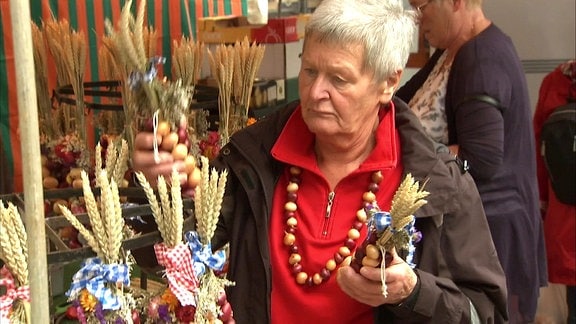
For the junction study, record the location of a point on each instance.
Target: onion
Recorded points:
(180, 152)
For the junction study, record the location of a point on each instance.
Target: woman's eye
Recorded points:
(338, 80)
(310, 72)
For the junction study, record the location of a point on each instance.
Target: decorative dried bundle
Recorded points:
(409, 197)
(97, 289)
(399, 233)
(48, 124)
(247, 60)
(186, 60)
(68, 49)
(168, 212)
(234, 68)
(208, 200)
(222, 68)
(105, 217)
(116, 163)
(145, 95)
(14, 253)
(110, 68)
(13, 249)
(207, 205)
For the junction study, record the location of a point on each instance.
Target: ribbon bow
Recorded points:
(381, 220)
(12, 294)
(93, 275)
(177, 262)
(136, 78)
(202, 254)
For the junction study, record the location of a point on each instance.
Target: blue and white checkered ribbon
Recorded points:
(136, 78)
(202, 255)
(382, 219)
(93, 275)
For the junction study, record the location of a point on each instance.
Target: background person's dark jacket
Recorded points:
(456, 260)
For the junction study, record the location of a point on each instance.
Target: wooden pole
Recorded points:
(32, 176)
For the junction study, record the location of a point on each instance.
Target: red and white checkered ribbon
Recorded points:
(177, 262)
(12, 294)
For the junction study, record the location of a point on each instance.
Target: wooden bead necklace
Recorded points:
(290, 208)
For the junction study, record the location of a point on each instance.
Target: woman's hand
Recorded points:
(366, 286)
(143, 160)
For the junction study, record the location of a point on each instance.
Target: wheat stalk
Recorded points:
(47, 124)
(153, 201)
(208, 202)
(88, 236)
(112, 217)
(407, 199)
(168, 210)
(13, 250)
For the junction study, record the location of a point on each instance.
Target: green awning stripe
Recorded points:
(227, 7)
(73, 19)
(166, 43)
(4, 102)
(205, 9)
(36, 11)
(92, 41)
(54, 7)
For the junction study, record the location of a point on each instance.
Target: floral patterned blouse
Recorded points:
(428, 102)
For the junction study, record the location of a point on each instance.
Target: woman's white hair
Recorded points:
(383, 28)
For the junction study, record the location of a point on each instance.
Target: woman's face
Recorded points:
(337, 96)
(437, 22)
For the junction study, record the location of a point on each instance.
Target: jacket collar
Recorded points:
(295, 145)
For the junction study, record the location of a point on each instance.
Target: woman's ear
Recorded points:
(389, 86)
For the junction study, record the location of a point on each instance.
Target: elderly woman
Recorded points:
(472, 96)
(346, 134)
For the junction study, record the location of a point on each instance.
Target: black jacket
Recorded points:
(456, 260)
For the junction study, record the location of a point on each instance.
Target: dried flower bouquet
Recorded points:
(392, 230)
(15, 303)
(190, 266)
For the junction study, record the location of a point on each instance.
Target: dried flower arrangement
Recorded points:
(15, 303)
(97, 289)
(392, 230)
(154, 104)
(62, 126)
(47, 123)
(195, 293)
(234, 67)
(69, 50)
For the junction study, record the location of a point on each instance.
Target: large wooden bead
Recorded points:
(353, 234)
(366, 261)
(292, 222)
(292, 187)
(290, 206)
(289, 239)
(344, 251)
(317, 279)
(369, 196)
(361, 215)
(331, 265)
(294, 258)
(296, 269)
(377, 177)
(301, 278)
(372, 252)
(325, 273)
